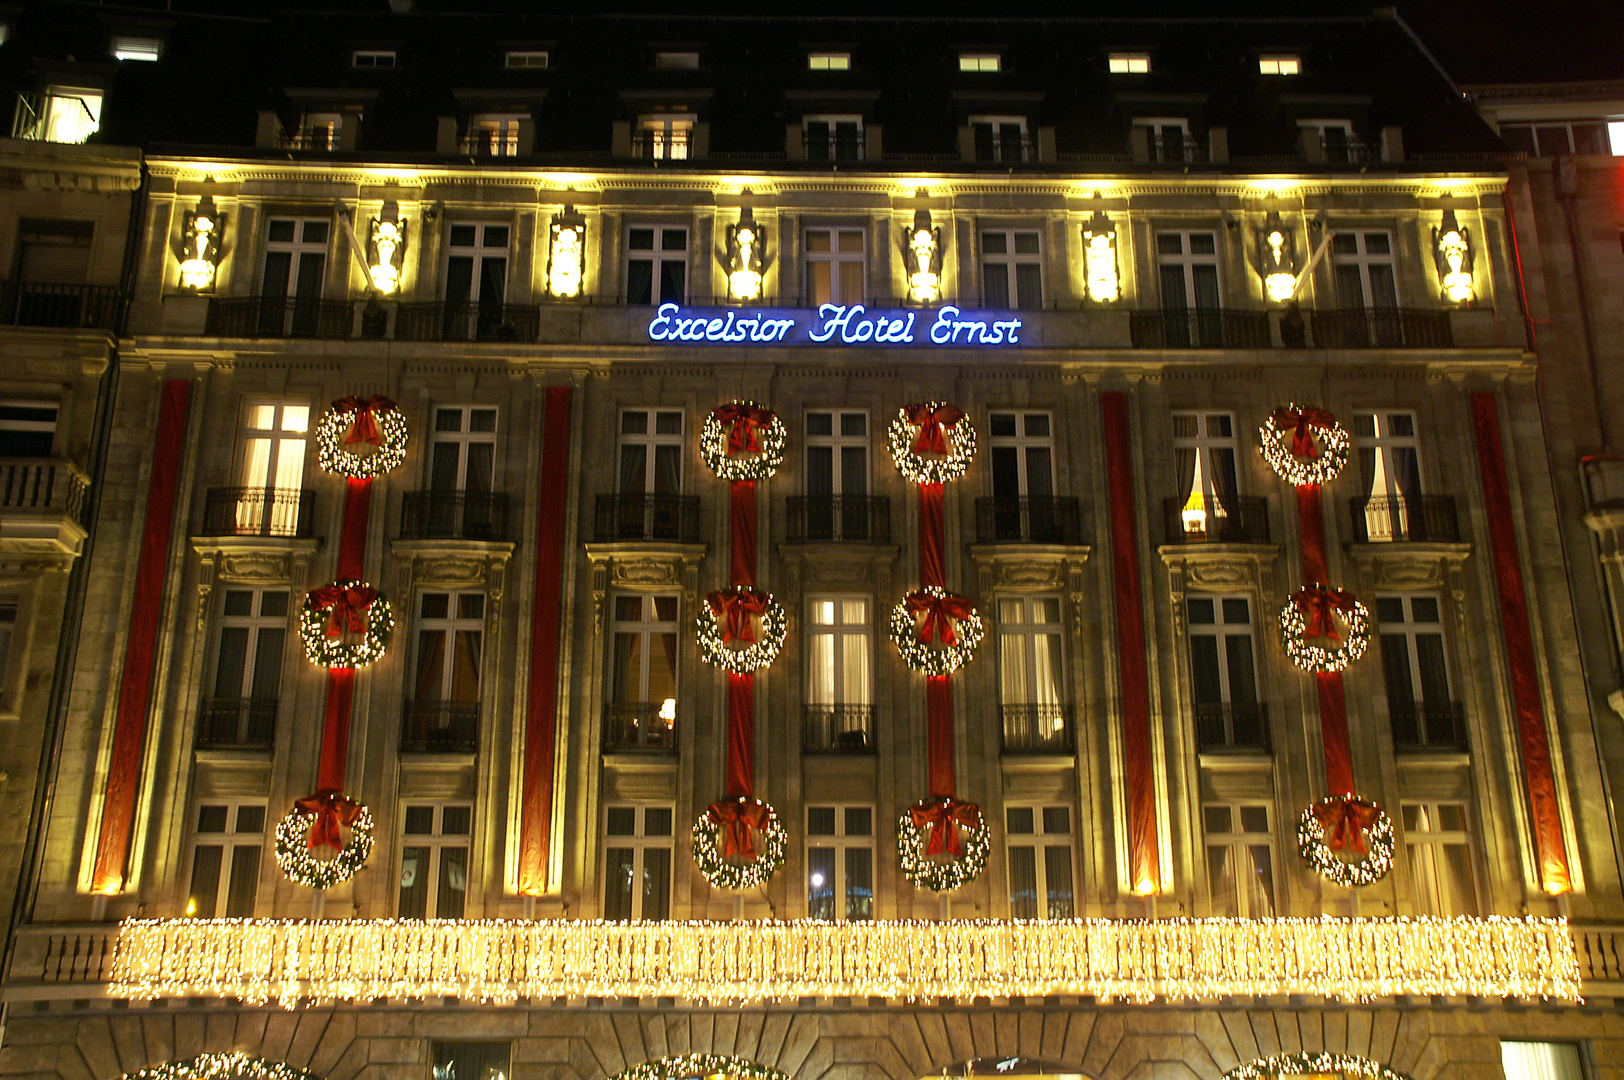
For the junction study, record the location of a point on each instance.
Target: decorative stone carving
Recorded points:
(452, 572)
(256, 567)
(1223, 575)
(645, 573)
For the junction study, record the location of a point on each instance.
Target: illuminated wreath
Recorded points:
(949, 620)
(1346, 823)
(332, 617)
(314, 822)
(1303, 446)
(221, 1067)
(743, 441)
(725, 848)
(352, 421)
(943, 818)
(727, 617)
(924, 429)
(688, 1065)
(1321, 1064)
(1311, 612)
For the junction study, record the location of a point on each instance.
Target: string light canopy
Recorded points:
(221, 1067)
(360, 960)
(685, 1066)
(1322, 1064)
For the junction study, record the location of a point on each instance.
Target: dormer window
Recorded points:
(1168, 139)
(136, 48)
(1336, 140)
(1126, 63)
(495, 134)
(525, 58)
(676, 60)
(317, 131)
(828, 61)
(1000, 138)
(63, 114)
(980, 62)
(663, 137)
(1281, 64)
(834, 138)
(372, 58)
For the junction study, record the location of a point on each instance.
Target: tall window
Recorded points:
(637, 862)
(1204, 455)
(1022, 452)
(475, 279)
(252, 632)
(434, 860)
(1336, 140)
(463, 448)
(834, 266)
(642, 709)
(837, 475)
(1168, 138)
(1240, 859)
(840, 862)
(1040, 843)
(1187, 269)
(1362, 266)
(656, 264)
(27, 428)
(839, 644)
(834, 137)
(1011, 268)
(1390, 464)
(651, 451)
(49, 254)
(1439, 847)
(8, 629)
(1415, 664)
(444, 711)
(225, 860)
(1031, 674)
(1223, 675)
(664, 138)
(1000, 138)
(295, 271)
(273, 459)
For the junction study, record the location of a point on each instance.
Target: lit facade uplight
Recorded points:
(1100, 259)
(744, 245)
(202, 247)
(923, 245)
(387, 243)
(1452, 248)
(566, 254)
(1277, 259)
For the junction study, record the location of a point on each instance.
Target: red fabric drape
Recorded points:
(1144, 862)
(335, 729)
(933, 427)
(940, 613)
(352, 537)
(740, 821)
(1540, 779)
(546, 615)
(741, 735)
(939, 734)
(331, 810)
(333, 763)
(135, 691)
(931, 567)
(1311, 529)
(1333, 706)
(742, 560)
(1333, 710)
(943, 820)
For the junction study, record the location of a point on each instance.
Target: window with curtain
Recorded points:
(1362, 267)
(463, 449)
(1204, 456)
(434, 860)
(637, 862)
(1438, 846)
(1541, 1061)
(293, 275)
(642, 707)
(834, 266)
(476, 270)
(226, 850)
(840, 862)
(472, 1060)
(1187, 271)
(444, 710)
(1223, 674)
(837, 475)
(1031, 675)
(656, 264)
(839, 647)
(1415, 668)
(1022, 456)
(1039, 851)
(252, 632)
(1011, 269)
(1390, 467)
(1240, 859)
(650, 474)
(273, 462)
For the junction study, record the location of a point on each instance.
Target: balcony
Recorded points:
(1038, 729)
(1382, 328)
(666, 518)
(639, 726)
(65, 307)
(236, 723)
(1035, 519)
(440, 727)
(1173, 149)
(1240, 519)
(1417, 519)
(849, 519)
(256, 511)
(837, 145)
(1201, 328)
(840, 729)
(1230, 727)
(42, 507)
(279, 317)
(471, 321)
(1427, 725)
(454, 515)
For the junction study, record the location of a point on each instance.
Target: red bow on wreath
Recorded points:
(744, 425)
(1300, 424)
(1317, 604)
(941, 612)
(734, 610)
(1344, 823)
(943, 817)
(933, 425)
(331, 809)
(348, 605)
(364, 428)
(737, 820)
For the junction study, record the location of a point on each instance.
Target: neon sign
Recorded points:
(834, 324)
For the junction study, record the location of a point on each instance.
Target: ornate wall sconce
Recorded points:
(922, 246)
(1277, 259)
(744, 246)
(1100, 259)
(386, 245)
(1452, 249)
(202, 247)
(566, 254)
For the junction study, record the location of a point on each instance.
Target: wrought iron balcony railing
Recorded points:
(454, 515)
(638, 725)
(1038, 729)
(1427, 725)
(1199, 328)
(1415, 518)
(257, 511)
(839, 728)
(1382, 328)
(1239, 519)
(671, 518)
(852, 519)
(68, 307)
(1031, 519)
(1232, 726)
(43, 486)
(472, 321)
(236, 723)
(440, 727)
(832, 145)
(279, 317)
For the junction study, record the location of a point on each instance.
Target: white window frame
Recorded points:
(1356, 150)
(374, 58)
(1201, 502)
(229, 842)
(836, 259)
(277, 474)
(254, 624)
(1364, 260)
(131, 47)
(1128, 63)
(1424, 853)
(833, 120)
(1388, 509)
(648, 627)
(71, 114)
(842, 842)
(1187, 260)
(828, 61)
(981, 61)
(479, 252)
(677, 60)
(1008, 260)
(1157, 126)
(846, 689)
(463, 438)
(1280, 64)
(494, 134)
(526, 58)
(1413, 629)
(1542, 1060)
(451, 624)
(651, 438)
(1220, 630)
(1039, 841)
(319, 131)
(1022, 443)
(657, 256)
(296, 249)
(639, 842)
(1237, 843)
(667, 136)
(437, 841)
(1030, 720)
(837, 443)
(1025, 151)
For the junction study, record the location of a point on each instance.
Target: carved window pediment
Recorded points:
(1409, 567)
(1221, 567)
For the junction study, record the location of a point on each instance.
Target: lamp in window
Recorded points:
(566, 254)
(923, 245)
(1452, 248)
(1277, 259)
(744, 244)
(386, 244)
(202, 243)
(1100, 259)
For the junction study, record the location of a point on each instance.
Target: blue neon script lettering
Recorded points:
(948, 328)
(669, 325)
(834, 324)
(856, 330)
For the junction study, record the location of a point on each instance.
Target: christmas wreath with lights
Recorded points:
(1303, 446)
(937, 429)
(351, 422)
(743, 441)
(727, 620)
(314, 822)
(345, 624)
(922, 855)
(949, 620)
(1321, 1064)
(725, 847)
(221, 1067)
(1312, 612)
(1346, 823)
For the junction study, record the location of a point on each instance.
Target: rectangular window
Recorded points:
(642, 709)
(664, 138)
(494, 134)
(250, 641)
(980, 62)
(295, 271)
(434, 860)
(8, 630)
(462, 455)
(1011, 269)
(1282, 64)
(225, 860)
(475, 279)
(1336, 140)
(1390, 467)
(317, 131)
(637, 862)
(1187, 271)
(1362, 264)
(136, 48)
(525, 58)
(1415, 665)
(833, 137)
(443, 714)
(1000, 138)
(1240, 859)
(1023, 503)
(1129, 63)
(1541, 1061)
(656, 264)
(840, 862)
(837, 503)
(1031, 675)
(834, 266)
(1204, 458)
(273, 460)
(687, 60)
(649, 505)
(1439, 848)
(828, 61)
(373, 58)
(53, 253)
(1040, 846)
(1223, 674)
(1168, 139)
(27, 429)
(63, 114)
(839, 682)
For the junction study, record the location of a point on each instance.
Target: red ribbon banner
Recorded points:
(1333, 706)
(348, 607)
(1300, 425)
(740, 821)
(1344, 823)
(941, 613)
(744, 424)
(348, 613)
(331, 810)
(943, 818)
(934, 424)
(364, 428)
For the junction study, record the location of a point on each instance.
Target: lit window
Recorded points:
(666, 138)
(272, 477)
(434, 861)
(676, 60)
(1390, 463)
(1204, 457)
(63, 114)
(225, 860)
(637, 862)
(1240, 859)
(373, 58)
(525, 59)
(840, 862)
(1130, 63)
(1040, 878)
(980, 62)
(136, 48)
(1439, 847)
(495, 134)
(1031, 676)
(834, 266)
(443, 714)
(828, 61)
(1279, 65)
(1541, 1061)
(1615, 135)
(641, 712)
(839, 636)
